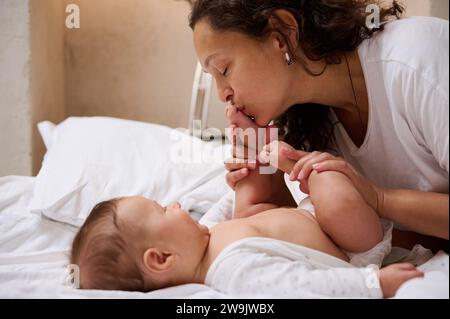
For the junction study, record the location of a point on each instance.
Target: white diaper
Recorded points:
(373, 256)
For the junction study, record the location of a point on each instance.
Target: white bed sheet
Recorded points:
(34, 254)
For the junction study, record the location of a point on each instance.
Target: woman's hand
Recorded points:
(394, 276)
(244, 158)
(321, 162)
(242, 161)
(238, 170)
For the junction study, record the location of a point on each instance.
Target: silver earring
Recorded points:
(289, 60)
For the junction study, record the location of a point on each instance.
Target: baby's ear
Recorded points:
(156, 260)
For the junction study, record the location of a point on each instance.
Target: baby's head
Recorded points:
(135, 244)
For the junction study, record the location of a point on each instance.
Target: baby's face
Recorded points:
(168, 227)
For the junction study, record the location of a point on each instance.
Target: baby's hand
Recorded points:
(273, 154)
(393, 276)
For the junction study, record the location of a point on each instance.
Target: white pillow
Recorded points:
(46, 130)
(89, 160)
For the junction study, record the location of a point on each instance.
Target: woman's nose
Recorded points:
(225, 94)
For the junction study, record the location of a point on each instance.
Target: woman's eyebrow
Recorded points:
(208, 60)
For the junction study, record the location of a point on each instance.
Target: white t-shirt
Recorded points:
(406, 71)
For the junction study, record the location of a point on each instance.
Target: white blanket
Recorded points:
(34, 254)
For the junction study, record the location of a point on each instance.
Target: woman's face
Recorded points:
(251, 74)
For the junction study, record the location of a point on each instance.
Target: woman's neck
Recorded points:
(343, 87)
(334, 87)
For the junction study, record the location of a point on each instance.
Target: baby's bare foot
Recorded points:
(244, 130)
(273, 154)
(238, 118)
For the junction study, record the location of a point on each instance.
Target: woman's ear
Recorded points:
(156, 260)
(285, 22)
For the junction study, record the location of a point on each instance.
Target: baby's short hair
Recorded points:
(100, 249)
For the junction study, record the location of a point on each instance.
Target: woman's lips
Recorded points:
(242, 110)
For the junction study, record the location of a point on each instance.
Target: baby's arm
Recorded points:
(287, 278)
(340, 209)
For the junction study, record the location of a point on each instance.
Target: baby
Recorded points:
(136, 244)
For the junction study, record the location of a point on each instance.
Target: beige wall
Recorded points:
(437, 8)
(15, 115)
(31, 80)
(47, 69)
(132, 59)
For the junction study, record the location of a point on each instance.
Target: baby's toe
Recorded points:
(230, 112)
(239, 118)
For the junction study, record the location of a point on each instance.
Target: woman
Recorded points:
(336, 82)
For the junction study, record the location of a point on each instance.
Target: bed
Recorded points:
(93, 159)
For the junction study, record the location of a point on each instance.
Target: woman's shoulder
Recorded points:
(417, 24)
(409, 41)
(416, 46)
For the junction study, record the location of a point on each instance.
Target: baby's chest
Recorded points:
(227, 233)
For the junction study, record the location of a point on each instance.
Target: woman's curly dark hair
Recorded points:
(327, 29)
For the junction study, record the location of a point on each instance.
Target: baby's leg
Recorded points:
(340, 209)
(258, 193)
(343, 213)
(272, 153)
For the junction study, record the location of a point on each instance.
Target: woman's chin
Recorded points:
(262, 122)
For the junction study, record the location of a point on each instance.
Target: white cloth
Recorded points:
(268, 268)
(219, 212)
(406, 71)
(374, 256)
(435, 283)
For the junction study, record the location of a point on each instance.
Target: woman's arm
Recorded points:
(423, 212)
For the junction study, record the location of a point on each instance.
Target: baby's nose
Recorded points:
(176, 205)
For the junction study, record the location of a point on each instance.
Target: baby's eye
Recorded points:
(225, 73)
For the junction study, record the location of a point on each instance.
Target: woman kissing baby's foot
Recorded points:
(244, 132)
(237, 117)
